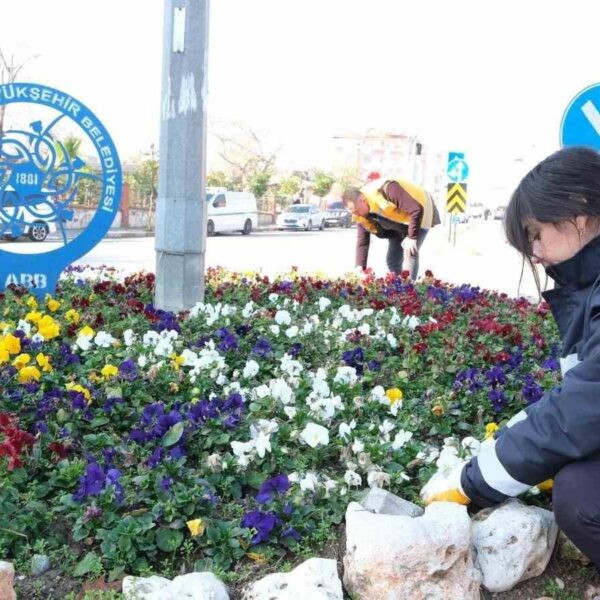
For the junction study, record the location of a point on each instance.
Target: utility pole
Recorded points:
(181, 212)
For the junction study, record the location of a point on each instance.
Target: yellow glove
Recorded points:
(444, 485)
(545, 486)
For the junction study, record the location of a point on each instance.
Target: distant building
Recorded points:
(390, 154)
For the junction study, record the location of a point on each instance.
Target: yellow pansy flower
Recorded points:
(29, 374)
(34, 316)
(196, 526)
(490, 429)
(53, 305)
(86, 331)
(177, 361)
(11, 343)
(257, 558)
(21, 361)
(109, 371)
(3, 325)
(44, 362)
(4, 355)
(76, 387)
(72, 316)
(48, 328)
(394, 395)
(31, 302)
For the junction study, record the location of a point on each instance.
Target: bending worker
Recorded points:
(396, 210)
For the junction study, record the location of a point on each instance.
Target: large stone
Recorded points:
(380, 501)
(512, 542)
(193, 586)
(146, 588)
(7, 578)
(390, 557)
(314, 579)
(199, 586)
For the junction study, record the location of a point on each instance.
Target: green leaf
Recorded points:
(173, 435)
(114, 392)
(90, 563)
(169, 539)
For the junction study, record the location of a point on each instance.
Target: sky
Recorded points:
(491, 79)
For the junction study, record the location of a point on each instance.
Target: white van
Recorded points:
(230, 211)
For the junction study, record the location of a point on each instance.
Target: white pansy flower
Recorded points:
(352, 478)
(83, 342)
(273, 297)
(281, 391)
(189, 358)
(386, 428)
(248, 309)
(37, 337)
(292, 331)
(358, 446)
(315, 435)
(129, 337)
(329, 485)
(251, 369)
(282, 317)
(365, 329)
(142, 361)
(402, 437)
(323, 303)
(378, 395)
(346, 375)
(262, 391)
(378, 479)
(391, 340)
(320, 387)
(103, 339)
(263, 444)
(291, 366)
(294, 477)
(411, 322)
(150, 338)
(24, 326)
(309, 482)
(345, 429)
(274, 329)
(221, 379)
(290, 411)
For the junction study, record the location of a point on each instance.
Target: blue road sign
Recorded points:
(457, 169)
(580, 124)
(39, 183)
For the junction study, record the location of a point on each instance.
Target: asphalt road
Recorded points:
(479, 257)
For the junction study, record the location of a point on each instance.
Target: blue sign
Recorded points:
(457, 169)
(580, 124)
(39, 182)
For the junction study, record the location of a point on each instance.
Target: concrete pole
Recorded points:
(180, 211)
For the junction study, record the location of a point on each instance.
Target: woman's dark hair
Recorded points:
(563, 186)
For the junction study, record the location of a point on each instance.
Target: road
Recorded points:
(480, 257)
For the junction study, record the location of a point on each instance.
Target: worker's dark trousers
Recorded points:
(397, 260)
(576, 504)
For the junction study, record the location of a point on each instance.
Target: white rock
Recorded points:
(380, 501)
(146, 588)
(391, 557)
(512, 542)
(193, 586)
(314, 579)
(198, 586)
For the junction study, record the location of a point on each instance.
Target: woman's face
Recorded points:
(553, 243)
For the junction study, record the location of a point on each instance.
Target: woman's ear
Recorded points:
(581, 223)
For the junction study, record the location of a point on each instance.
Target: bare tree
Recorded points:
(10, 68)
(243, 153)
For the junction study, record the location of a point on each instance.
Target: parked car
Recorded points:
(499, 212)
(337, 214)
(301, 216)
(475, 211)
(33, 220)
(230, 211)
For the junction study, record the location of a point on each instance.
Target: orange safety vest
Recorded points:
(378, 204)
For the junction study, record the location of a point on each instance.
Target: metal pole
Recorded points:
(180, 212)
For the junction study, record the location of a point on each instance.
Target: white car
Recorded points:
(230, 211)
(34, 220)
(301, 216)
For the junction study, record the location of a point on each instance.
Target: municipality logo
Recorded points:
(44, 177)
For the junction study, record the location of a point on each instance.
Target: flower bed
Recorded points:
(241, 429)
